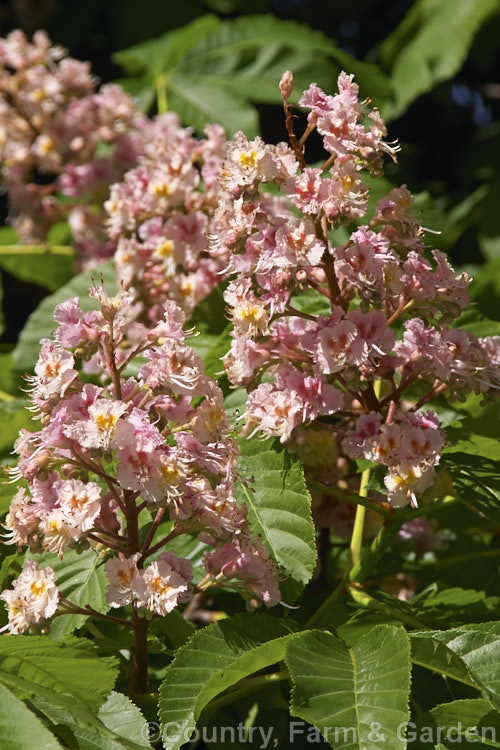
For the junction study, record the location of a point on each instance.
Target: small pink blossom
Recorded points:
(33, 599)
(122, 572)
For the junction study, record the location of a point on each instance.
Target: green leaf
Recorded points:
(123, 718)
(476, 480)
(250, 32)
(279, 509)
(469, 654)
(159, 55)
(20, 729)
(40, 324)
(485, 289)
(352, 694)
(430, 652)
(13, 418)
(478, 431)
(472, 320)
(214, 367)
(81, 578)
(2, 316)
(467, 714)
(209, 317)
(73, 667)
(213, 660)
(478, 646)
(8, 236)
(415, 52)
(74, 721)
(211, 71)
(235, 402)
(454, 606)
(49, 266)
(6, 380)
(199, 103)
(174, 627)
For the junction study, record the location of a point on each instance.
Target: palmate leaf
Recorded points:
(73, 668)
(279, 509)
(213, 660)
(81, 578)
(20, 729)
(212, 70)
(415, 53)
(352, 695)
(41, 323)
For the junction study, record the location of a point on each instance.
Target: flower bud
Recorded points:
(286, 85)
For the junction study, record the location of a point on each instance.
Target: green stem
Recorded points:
(359, 521)
(161, 94)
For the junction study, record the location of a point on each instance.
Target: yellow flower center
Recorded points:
(406, 481)
(169, 473)
(162, 190)
(248, 159)
(165, 250)
(348, 182)
(106, 421)
(38, 95)
(38, 588)
(159, 587)
(47, 145)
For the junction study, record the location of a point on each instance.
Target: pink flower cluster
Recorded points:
(60, 139)
(160, 217)
(113, 444)
(32, 600)
(409, 447)
(320, 329)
